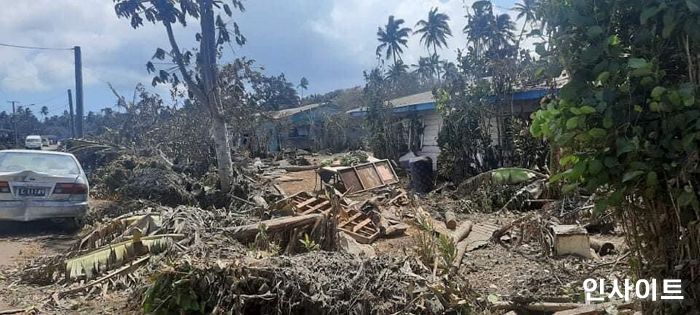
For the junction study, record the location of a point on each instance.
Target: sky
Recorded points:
(330, 42)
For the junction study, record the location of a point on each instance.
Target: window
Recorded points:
(38, 162)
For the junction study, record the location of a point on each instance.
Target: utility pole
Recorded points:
(70, 108)
(14, 122)
(78, 91)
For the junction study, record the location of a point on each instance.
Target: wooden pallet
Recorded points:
(353, 222)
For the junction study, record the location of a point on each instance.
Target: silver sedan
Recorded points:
(42, 185)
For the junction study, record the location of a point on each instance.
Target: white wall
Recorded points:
(432, 123)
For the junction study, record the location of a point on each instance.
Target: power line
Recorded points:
(33, 47)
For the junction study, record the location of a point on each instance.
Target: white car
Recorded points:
(33, 142)
(42, 185)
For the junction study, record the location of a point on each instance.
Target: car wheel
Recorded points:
(76, 223)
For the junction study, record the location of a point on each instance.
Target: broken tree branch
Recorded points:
(248, 232)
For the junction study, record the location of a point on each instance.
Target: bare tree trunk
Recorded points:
(212, 101)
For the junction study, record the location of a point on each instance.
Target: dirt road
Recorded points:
(21, 241)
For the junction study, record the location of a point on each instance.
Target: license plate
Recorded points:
(31, 191)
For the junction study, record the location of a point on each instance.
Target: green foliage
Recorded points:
(628, 122)
(626, 113)
(309, 244)
(385, 132)
(353, 158)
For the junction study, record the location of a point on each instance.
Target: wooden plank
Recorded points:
(386, 172)
(307, 202)
(361, 224)
(376, 170)
(369, 177)
(344, 223)
(350, 180)
(362, 183)
(316, 207)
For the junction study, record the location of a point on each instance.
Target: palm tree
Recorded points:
(425, 68)
(44, 111)
(479, 26)
(527, 10)
(391, 38)
(397, 71)
(486, 31)
(303, 86)
(434, 31)
(503, 34)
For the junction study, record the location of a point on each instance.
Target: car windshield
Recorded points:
(38, 162)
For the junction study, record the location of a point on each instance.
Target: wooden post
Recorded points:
(78, 91)
(71, 121)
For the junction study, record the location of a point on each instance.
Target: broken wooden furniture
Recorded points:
(361, 177)
(351, 221)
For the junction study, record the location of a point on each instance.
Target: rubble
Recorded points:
(372, 248)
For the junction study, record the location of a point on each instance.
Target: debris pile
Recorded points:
(312, 283)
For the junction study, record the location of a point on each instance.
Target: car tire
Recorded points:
(73, 224)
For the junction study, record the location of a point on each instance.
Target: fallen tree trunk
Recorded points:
(296, 168)
(450, 220)
(462, 231)
(248, 232)
(601, 247)
(459, 238)
(537, 306)
(595, 309)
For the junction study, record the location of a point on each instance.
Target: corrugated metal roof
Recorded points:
(409, 100)
(292, 111)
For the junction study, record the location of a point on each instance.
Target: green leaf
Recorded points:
(603, 76)
(587, 110)
(597, 133)
(641, 72)
(594, 31)
(669, 23)
(613, 40)
(654, 107)
(624, 146)
(652, 179)
(631, 175)
(595, 166)
(648, 13)
(637, 63)
(607, 122)
(569, 187)
(689, 100)
(571, 123)
(616, 197)
(686, 198)
(569, 159)
(658, 91)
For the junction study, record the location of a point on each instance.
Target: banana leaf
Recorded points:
(500, 176)
(119, 229)
(112, 256)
